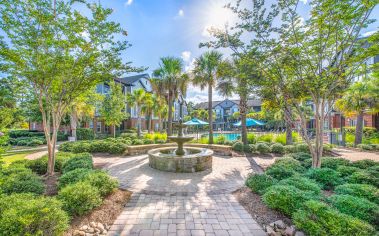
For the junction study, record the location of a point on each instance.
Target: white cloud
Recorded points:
(181, 12)
(186, 55)
(190, 65)
(304, 1)
(369, 33)
(128, 3)
(205, 31)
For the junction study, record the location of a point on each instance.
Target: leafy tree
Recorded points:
(113, 108)
(60, 53)
(205, 74)
(147, 108)
(172, 81)
(137, 99)
(360, 97)
(316, 58)
(160, 110)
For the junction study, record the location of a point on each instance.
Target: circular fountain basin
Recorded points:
(194, 159)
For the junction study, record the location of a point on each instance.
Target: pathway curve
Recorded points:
(181, 204)
(355, 155)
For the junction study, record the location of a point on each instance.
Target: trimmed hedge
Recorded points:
(356, 207)
(110, 145)
(284, 167)
(300, 156)
(285, 198)
(73, 176)
(22, 182)
(277, 148)
(39, 165)
(318, 219)
(102, 181)
(333, 162)
(364, 164)
(260, 182)
(364, 177)
(326, 177)
(345, 171)
(85, 134)
(263, 148)
(238, 146)
(303, 184)
(83, 160)
(79, 198)
(25, 214)
(369, 192)
(302, 147)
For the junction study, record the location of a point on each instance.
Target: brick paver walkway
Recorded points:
(182, 204)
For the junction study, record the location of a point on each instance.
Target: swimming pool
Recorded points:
(228, 136)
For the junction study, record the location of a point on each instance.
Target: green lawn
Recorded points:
(8, 158)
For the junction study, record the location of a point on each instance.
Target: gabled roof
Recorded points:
(250, 103)
(132, 79)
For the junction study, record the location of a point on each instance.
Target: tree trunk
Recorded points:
(73, 123)
(138, 122)
(288, 119)
(359, 129)
(150, 122)
(114, 131)
(210, 113)
(169, 123)
(160, 124)
(243, 108)
(319, 124)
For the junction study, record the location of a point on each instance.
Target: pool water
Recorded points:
(228, 136)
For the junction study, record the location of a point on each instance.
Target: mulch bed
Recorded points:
(253, 204)
(106, 213)
(51, 184)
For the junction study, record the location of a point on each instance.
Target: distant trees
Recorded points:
(137, 99)
(205, 75)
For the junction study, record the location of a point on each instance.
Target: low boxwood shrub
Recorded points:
(365, 147)
(364, 164)
(85, 134)
(26, 214)
(73, 176)
(79, 198)
(247, 148)
(263, 148)
(34, 142)
(302, 147)
(80, 147)
(83, 160)
(317, 218)
(159, 141)
(129, 135)
(326, 177)
(284, 168)
(117, 148)
(260, 182)
(290, 163)
(102, 181)
(39, 165)
(345, 171)
(300, 156)
(333, 162)
(22, 182)
(238, 146)
(277, 148)
(367, 191)
(307, 163)
(363, 177)
(356, 207)
(302, 183)
(137, 142)
(148, 141)
(253, 148)
(285, 198)
(289, 149)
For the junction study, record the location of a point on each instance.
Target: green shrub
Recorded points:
(365, 147)
(220, 139)
(356, 207)
(80, 147)
(117, 148)
(302, 147)
(160, 141)
(281, 138)
(260, 182)
(289, 149)
(345, 171)
(25, 214)
(251, 138)
(369, 192)
(238, 146)
(364, 164)
(129, 135)
(253, 148)
(79, 198)
(34, 142)
(284, 168)
(266, 138)
(318, 219)
(22, 182)
(326, 177)
(25, 133)
(137, 142)
(83, 160)
(363, 177)
(73, 176)
(148, 141)
(263, 148)
(85, 134)
(300, 156)
(277, 148)
(302, 183)
(285, 198)
(333, 162)
(39, 165)
(102, 181)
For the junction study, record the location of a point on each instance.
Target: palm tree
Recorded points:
(172, 82)
(205, 74)
(160, 110)
(136, 99)
(147, 109)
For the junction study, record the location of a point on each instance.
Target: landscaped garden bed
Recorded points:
(340, 198)
(46, 205)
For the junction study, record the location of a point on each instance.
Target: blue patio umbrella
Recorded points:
(250, 122)
(197, 122)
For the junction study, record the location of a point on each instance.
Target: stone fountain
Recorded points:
(180, 159)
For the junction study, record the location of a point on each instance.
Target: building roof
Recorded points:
(250, 103)
(131, 79)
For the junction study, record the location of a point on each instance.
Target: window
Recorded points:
(98, 127)
(91, 124)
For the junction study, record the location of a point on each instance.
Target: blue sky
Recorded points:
(175, 28)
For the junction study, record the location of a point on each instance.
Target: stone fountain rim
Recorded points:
(203, 152)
